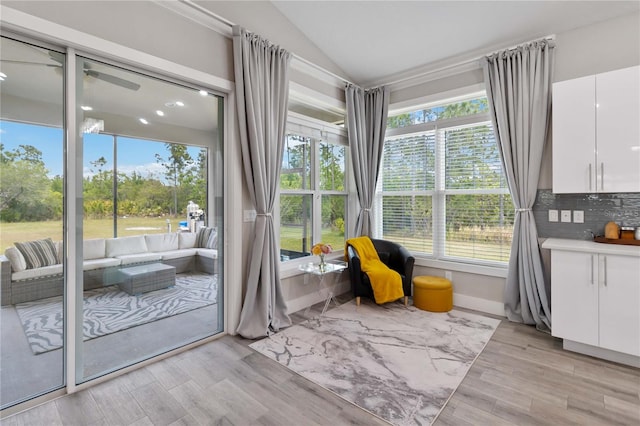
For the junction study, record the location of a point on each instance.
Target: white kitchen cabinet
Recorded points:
(596, 135)
(574, 296)
(619, 303)
(595, 295)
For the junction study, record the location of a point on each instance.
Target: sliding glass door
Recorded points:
(31, 211)
(151, 279)
(146, 252)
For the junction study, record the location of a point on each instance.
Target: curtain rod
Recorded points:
(461, 64)
(228, 25)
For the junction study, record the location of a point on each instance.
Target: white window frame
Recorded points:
(438, 259)
(318, 130)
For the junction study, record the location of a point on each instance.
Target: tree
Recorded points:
(25, 189)
(179, 166)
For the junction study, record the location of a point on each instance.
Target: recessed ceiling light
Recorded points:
(174, 104)
(86, 108)
(203, 93)
(143, 121)
(160, 113)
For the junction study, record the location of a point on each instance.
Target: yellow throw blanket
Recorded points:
(385, 282)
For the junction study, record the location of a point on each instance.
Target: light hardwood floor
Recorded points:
(523, 377)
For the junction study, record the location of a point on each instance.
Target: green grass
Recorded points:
(93, 228)
(290, 239)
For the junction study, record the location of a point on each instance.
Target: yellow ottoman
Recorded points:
(434, 294)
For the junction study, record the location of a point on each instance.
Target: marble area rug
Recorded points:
(109, 309)
(399, 363)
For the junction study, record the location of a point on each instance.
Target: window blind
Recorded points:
(478, 213)
(443, 193)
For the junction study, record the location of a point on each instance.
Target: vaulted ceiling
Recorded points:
(375, 41)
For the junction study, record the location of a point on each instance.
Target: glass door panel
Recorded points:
(152, 238)
(31, 212)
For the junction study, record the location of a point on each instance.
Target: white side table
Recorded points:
(331, 268)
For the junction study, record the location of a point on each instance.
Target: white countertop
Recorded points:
(590, 247)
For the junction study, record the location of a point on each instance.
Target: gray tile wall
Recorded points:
(624, 209)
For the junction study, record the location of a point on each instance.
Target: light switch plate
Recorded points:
(565, 216)
(553, 215)
(249, 215)
(578, 216)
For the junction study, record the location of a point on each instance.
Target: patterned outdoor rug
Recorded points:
(108, 309)
(399, 363)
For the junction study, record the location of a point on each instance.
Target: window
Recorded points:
(313, 187)
(443, 192)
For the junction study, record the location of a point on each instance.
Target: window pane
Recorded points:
(32, 185)
(409, 163)
(295, 226)
(333, 220)
(407, 219)
(440, 112)
(296, 163)
(479, 226)
(332, 161)
(472, 159)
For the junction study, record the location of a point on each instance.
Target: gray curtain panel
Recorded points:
(518, 85)
(262, 93)
(367, 112)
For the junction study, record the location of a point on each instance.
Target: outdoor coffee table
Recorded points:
(144, 278)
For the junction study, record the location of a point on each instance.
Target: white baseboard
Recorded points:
(478, 304)
(461, 300)
(307, 300)
(597, 352)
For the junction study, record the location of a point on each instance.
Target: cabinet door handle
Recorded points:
(605, 271)
(590, 177)
(602, 176)
(592, 282)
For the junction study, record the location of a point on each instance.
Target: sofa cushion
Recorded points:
(38, 253)
(16, 259)
(116, 247)
(210, 253)
(128, 259)
(186, 240)
(202, 236)
(161, 242)
(59, 250)
(37, 272)
(94, 248)
(105, 262)
(212, 242)
(178, 254)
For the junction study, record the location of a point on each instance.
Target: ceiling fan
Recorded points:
(88, 71)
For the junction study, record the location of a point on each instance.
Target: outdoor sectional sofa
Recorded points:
(103, 257)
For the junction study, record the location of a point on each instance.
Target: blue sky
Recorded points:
(133, 154)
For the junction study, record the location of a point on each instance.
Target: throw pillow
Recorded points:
(212, 242)
(38, 253)
(16, 259)
(202, 236)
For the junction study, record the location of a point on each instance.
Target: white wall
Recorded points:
(143, 26)
(598, 48)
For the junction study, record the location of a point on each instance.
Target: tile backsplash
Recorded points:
(622, 208)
